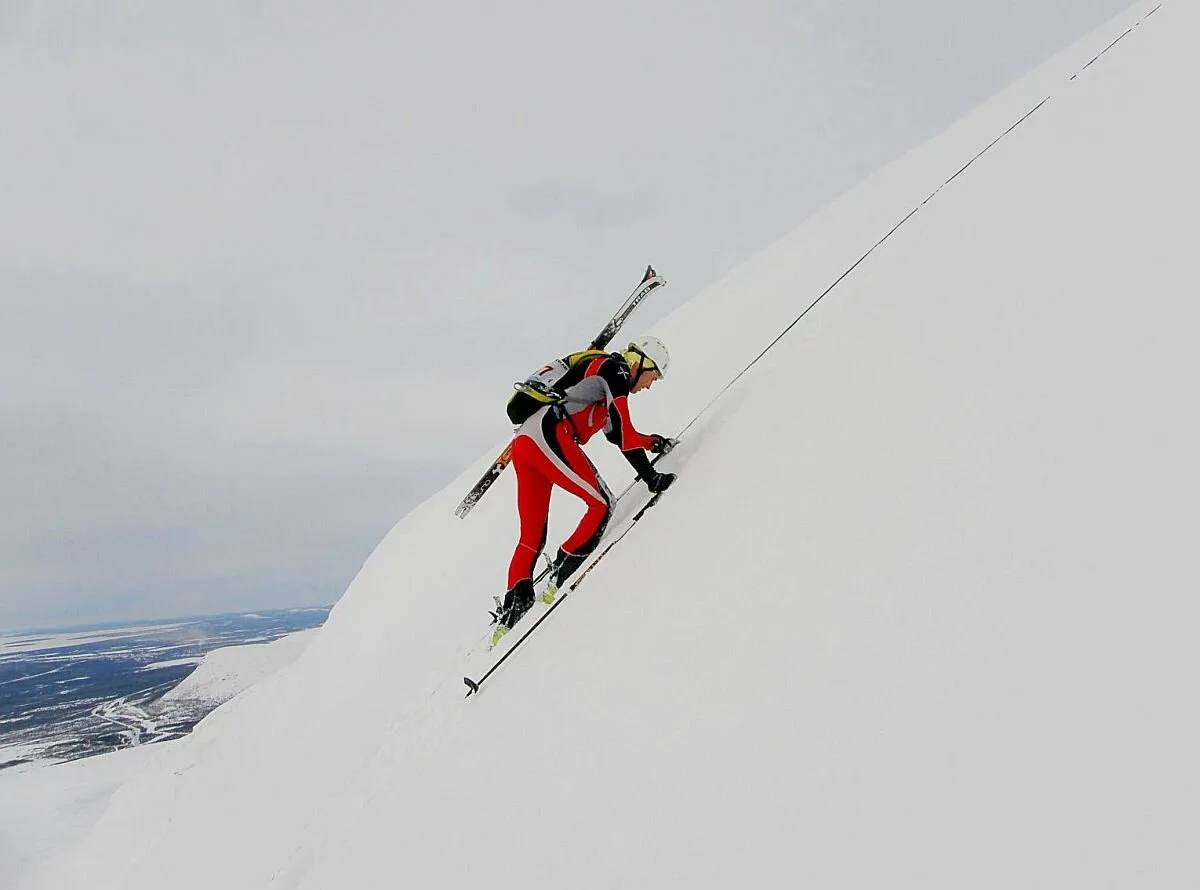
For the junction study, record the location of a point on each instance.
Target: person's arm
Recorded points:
(621, 431)
(640, 463)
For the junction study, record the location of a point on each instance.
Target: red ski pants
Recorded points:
(546, 454)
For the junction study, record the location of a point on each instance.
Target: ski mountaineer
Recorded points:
(546, 452)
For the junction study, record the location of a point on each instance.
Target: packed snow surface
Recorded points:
(920, 610)
(44, 807)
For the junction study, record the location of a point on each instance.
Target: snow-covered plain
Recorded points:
(14, 644)
(920, 610)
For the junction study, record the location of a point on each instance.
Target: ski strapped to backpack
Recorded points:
(538, 393)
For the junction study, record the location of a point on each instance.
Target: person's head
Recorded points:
(647, 359)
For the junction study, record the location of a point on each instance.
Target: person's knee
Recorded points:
(600, 507)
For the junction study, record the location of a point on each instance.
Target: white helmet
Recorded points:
(653, 353)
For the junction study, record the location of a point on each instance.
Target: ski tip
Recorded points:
(472, 686)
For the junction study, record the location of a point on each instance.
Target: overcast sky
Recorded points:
(269, 269)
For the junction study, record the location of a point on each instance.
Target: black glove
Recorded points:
(661, 444)
(659, 482)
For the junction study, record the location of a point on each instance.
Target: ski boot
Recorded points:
(564, 566)
(517, 602)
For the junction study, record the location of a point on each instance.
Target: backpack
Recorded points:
(541, 387)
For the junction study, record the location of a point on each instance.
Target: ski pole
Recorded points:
(473, 685)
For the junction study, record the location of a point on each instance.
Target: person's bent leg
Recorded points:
(584, 540)
(533, 505)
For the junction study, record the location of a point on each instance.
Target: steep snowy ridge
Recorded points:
(225, 672)
(917, 613)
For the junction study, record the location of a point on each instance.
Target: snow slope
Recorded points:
(224, 673)
(919, 612)
(43, 809)
(46, 807)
